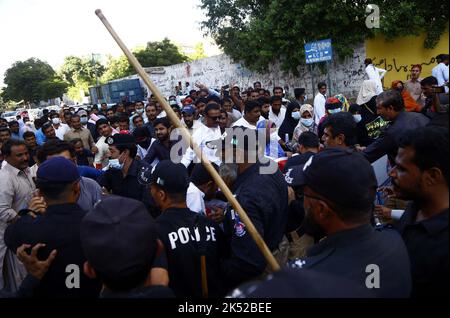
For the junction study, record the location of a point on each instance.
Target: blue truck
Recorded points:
(116, 91)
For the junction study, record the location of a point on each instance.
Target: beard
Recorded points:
(312, 228)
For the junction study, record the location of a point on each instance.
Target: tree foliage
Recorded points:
(76, 70)
(259, 32)
(32, 80)
(161, 53)
(199, 52)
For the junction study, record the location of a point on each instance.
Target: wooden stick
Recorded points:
(173, 117)
(204, 276)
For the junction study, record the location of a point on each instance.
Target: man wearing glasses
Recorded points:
(206, 133)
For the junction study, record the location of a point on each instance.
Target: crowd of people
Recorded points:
(112, 202)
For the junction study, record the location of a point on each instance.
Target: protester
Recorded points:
(15, 130)
(189, 121)
(307, 145)
(210, 131)
(83, 155)
(375, 74)
(391, 108)
(143, 141)
(17, 187)
(60, 128)
(306, 122)
(339, 131)
(59, 228)
(78, 131)
(251, 116)
(440, 71)
(291, 120)
(90, 190)
(277, 113)
(410, 104)
(413, 84)
(421, 176)
(160, 148)
(30, 141)
(319, 102)
(105, 131)
(436, 104)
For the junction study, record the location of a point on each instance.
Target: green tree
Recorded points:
(259, 32)
(161, 53)
(76, 70)
(116, 68)
(199, 52)
(29, 80)
(52, 88)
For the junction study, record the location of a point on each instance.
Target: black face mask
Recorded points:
(144, 144)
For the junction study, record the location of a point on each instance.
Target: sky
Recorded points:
(53, 29)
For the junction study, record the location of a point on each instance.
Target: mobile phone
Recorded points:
(438, 89)
(226, 87)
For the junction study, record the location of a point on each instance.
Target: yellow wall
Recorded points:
(397, 57)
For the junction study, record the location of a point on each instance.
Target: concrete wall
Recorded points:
(345, 76)
(397, 56)
(217, 71)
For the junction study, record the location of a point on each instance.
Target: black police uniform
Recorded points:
(427, 244)
(128, 186)
(264, 198)
(298, 283)
(59, 229)
(186, 236)
(353, 255)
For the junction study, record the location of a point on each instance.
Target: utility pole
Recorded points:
(95, 68)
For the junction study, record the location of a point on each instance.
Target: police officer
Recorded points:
(121, 178)
(339, 188)
(187, 236)
(58, 182)
(133, 274)
(264, 197)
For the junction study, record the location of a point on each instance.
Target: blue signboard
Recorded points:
(319, 51)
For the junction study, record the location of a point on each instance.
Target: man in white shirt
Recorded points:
(375, 74)
(206, 133)
(101, 159)
(319, 102)
(440, 71)
(188, 121)
(17, 187)
(60, 128)
(252, 115)
(276, 112)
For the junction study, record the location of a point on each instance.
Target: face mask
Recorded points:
(140, 110)
(296, 115)
(357, 118)
(56, 121)
(83, 120)
(307, 121)
(115, 164)
(144, 144)
(334, 111)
